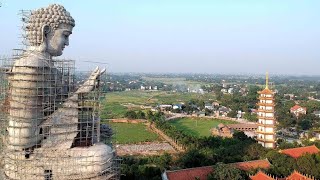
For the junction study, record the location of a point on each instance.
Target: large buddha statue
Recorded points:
(48, 136)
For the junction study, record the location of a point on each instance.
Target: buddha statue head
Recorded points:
(48, 29)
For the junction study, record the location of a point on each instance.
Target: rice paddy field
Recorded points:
(115, 103)
(173, 81)
(198, 126)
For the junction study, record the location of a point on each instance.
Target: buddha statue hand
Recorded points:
(92, 81)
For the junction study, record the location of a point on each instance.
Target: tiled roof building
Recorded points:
(261, 176)
(201, 173)
(294, 176)
(297, 176)
(297, 110)
(256, 164)
(298, 152)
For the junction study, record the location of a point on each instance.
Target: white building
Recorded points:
(230, 90)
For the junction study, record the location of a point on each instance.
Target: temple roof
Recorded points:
(296, 176)
(261, 176)
(242, 125)
(190, 174)
(256, 164)
(203, 172)
(297, 152)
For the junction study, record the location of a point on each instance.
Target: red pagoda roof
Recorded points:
(190, 174)
(261, 176)
(249, 165)
(296, 176)
(297, 152)
(265, 91)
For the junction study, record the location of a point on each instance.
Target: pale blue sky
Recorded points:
(250, 36)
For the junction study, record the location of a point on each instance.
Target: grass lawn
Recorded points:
(126, 133)
(198, 126)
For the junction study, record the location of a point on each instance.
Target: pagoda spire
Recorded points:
(267, 80)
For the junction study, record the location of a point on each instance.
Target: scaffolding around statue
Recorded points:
(48, 131)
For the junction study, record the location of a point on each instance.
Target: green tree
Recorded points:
(240, 135)
(131, 115)
(255, 151)
(164, 161)
(309, 164)
(251, 117)
(208, 112)
(149, 115)
(223, 171)
(232, 114)
(282, 165)
(192, 158)
(305, 124)
(141, 115)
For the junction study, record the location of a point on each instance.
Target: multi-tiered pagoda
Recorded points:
(266, 123)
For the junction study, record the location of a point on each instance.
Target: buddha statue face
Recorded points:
(49, 29)
(57, 40)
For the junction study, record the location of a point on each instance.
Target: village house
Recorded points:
(316, 113)
(177, 106)
(228, 129)
(164, 107)
(317, 136)
(142, 87)
(208, 106)
(222, 131)
(230, 90)
(201, 114)
(298, 110)
(291, 96)
(224, 91)
(240, 114)
(215, 104)
(223, 111)
(253, 111)
(243, 92)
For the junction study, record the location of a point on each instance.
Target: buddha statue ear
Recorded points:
(45, 30)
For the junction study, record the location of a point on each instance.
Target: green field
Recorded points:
(197, 126)
(126, 133)
(114, 104)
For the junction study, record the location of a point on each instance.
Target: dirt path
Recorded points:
(178, 147)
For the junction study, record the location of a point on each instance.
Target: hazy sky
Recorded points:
(240, 36)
